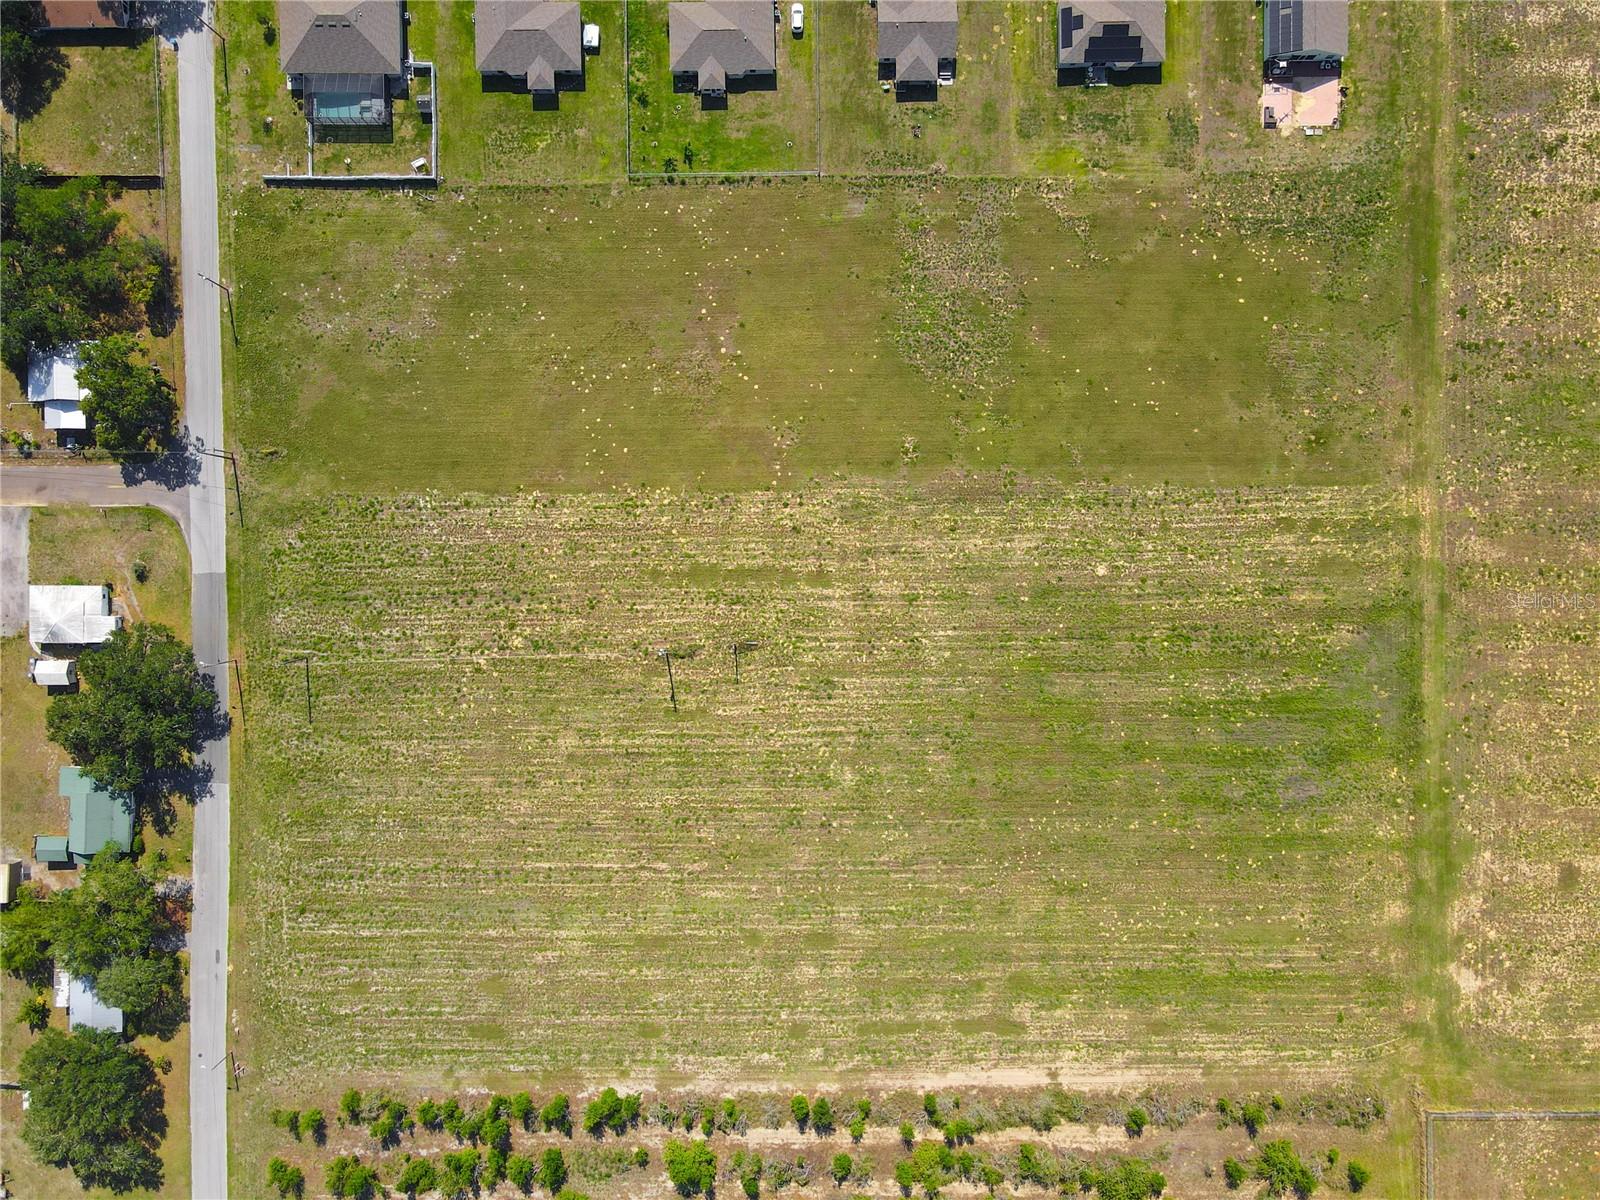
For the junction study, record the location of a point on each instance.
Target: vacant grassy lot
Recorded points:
(102, 119)
(1516, 1160)
(695, 338)
(757, 131)
(1525, 535)
(82, 545)
(494, 136)
(1090, 686)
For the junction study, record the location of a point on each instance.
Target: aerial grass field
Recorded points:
(103, 117)
(1516, 1159)
(1524, 449)
(1161, 599)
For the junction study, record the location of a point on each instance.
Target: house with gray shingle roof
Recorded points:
(535, 42)
(1301, 32)
(1097, 37)
(345, 57)
(917, 45)
(718, 43)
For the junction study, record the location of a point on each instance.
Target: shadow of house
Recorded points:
(917, 46)
(1102, 42)
(722, 47)
(535, 45)
(345, 60)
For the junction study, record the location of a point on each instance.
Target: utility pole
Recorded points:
(672, 686)
(233, 461)
(238, 680)
(306, 659)
(228, 292)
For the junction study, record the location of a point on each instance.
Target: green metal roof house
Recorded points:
(96, 818)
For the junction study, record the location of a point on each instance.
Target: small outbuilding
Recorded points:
(10, 881)
(53, 388)
(917, 45)
(718, 46)
(1098, 40)
(70, 615)
(83, 1005)
(53, 672)
(537, 43)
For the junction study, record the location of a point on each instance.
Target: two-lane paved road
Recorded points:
(208, 553)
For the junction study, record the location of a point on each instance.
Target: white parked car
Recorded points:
(797, 19)
(591, 39)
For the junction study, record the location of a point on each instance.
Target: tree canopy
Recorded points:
(94, 1106)
(67, 271)
(29, 69)
(25, 931)
(133, 407)
(140, 712)
(691, 1166)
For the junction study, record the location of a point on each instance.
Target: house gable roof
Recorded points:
(537, 39)
(1111, 33)
(722, 39)
(917, 35)
(97, 817)
(340, 37)
(1306, 27)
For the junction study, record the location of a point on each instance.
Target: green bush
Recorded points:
(1358, 1175)
(350, 1106)
(1235, 1172)
(430, 1115)
(822, 1115)
(1135, 1122)
(552, 1170)
(520, 1170)
(800, 1109)
(416, 1176)
(1130, 1179)
(556, 1115)
(34, 1012)
(521, 1108)
(610, 1111)
(841, 1167)
(641, 1158)
(858, 1128)
(458, 1173)
(1253, 1117)
(314, 1124)
(494, 1168)
(285, 1179)
(349, 1178)
(930, 1105)
(1283, 1171)
(907, 1134)
(691, 1166)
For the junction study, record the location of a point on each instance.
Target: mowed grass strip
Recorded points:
(1026, 774)
(745, 336)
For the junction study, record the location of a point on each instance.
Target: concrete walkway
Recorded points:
(13, 571)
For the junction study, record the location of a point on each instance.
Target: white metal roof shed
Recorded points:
(53, 672)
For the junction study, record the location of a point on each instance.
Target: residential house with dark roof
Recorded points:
(537, 43)
(917, 45)
(722, 45)
(1096, 38)
(1299, 34)
(345, 57)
